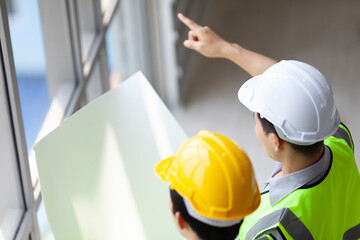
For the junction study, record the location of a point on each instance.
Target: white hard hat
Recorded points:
(296, 98)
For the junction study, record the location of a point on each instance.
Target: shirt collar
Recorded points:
(280, 187)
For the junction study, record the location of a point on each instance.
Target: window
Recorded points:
(17, 203)
(30, 67)
(56, 57)
(12, 207)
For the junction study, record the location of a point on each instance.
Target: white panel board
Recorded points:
(97, 169)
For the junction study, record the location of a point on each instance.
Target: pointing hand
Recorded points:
(203, 39)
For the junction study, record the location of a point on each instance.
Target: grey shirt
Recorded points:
(280, 187)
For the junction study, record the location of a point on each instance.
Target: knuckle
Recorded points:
(205, 30)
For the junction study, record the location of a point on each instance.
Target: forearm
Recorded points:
(252, 62)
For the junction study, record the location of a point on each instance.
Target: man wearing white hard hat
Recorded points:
(314, 190)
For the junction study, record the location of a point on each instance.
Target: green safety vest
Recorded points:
(328, 209)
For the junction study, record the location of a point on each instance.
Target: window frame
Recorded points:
(69, 70)
(28, 226)
(68, 79)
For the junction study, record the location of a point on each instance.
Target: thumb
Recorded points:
(192, 44)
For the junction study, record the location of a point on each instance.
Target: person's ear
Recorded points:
(182, 226)
(180, 221)
(277, 142)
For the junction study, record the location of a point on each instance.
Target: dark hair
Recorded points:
(305, 150)
(203, 230)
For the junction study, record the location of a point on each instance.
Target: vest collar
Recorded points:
(280, 187)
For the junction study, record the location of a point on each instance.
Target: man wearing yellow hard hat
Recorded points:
(212, 187)
(314, 191)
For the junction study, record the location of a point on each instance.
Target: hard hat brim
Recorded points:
(250, 97)
(162, 169)
(246, 93)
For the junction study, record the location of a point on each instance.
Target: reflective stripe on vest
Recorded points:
(343, 134)
(329, 209)
(269, 238)
(290, 222)
(272, 234)
(352, 233)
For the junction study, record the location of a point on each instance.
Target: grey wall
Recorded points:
(323, 33)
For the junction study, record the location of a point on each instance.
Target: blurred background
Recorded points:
(325, 34)
(57, 56)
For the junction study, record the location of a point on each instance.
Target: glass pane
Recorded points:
(87, 22)
(11, 200)
(113, 50)
(44, 227)
(30, 66)
(94, 86)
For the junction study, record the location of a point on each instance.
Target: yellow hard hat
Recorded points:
(214, 175)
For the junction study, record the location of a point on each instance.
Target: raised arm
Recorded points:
(208, 43)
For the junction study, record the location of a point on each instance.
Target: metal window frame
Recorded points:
(150, 45)
(28, 227)
(163, 50)
(96, 52)
(68, 71)
(68, 41)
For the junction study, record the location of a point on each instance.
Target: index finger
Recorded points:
(188, 22)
